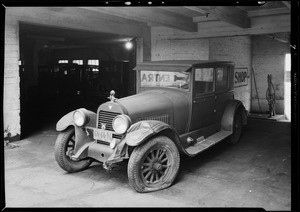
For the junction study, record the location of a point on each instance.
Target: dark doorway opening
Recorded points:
(49, 89)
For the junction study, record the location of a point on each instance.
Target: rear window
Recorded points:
(222, 78)
(166, 79)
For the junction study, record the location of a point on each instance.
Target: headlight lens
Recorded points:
(121, 123)
(80, 117)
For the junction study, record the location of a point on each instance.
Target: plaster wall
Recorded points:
(163, 48)
(236, 49)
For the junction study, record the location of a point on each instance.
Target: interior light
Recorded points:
(128, 45)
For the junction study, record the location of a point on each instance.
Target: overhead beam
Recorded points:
(232, 15)
(260, 26)
(268, 12)
(287, 4)
(274, 37)
(76, 18)
(204, 18)
(150, 15)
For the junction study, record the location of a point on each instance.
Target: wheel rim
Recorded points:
(156, 166)
(70, 146)
(237, 127)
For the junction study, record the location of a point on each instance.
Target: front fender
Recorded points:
(142, 130)
(67, 120)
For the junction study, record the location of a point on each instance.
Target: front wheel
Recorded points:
(64, 147)
(153, 165)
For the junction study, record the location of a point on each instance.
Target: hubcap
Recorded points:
(157, 166)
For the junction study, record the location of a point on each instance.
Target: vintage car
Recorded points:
(181, 107)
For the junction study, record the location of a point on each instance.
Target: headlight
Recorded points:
(121, 123)
(80, 117)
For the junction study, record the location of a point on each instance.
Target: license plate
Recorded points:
(102, 135)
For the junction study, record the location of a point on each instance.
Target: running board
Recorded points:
(203, 144)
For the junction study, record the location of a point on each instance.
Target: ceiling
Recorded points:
(69, 38)
(194, 21)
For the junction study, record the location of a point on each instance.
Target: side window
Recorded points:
(222, 78)
(204, 80)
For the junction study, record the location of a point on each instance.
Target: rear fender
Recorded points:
(67, 120)
(228, 116)
(139, 132)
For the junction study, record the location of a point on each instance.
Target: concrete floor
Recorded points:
(253, 173)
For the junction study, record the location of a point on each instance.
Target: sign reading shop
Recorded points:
(240, 77)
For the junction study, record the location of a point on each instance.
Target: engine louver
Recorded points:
(163, 118)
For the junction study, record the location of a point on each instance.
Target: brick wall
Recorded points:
(11, 97)
(268, 58)
(163, 48)
(238, 50)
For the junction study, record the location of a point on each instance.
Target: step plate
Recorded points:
(208, 142)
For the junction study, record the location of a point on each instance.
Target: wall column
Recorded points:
(11, 96)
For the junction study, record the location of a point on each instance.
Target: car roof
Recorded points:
(176, 65)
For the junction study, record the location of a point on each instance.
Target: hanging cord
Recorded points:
(270, 96)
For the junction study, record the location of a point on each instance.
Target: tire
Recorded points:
(237, 128)
(153, 165)
(65, 143)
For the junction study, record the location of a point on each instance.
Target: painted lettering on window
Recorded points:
(165, 79)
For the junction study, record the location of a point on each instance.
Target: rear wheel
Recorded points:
(64, 147)
(153, 165)
(237, 128)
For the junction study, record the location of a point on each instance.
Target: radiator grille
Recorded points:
(106, 117)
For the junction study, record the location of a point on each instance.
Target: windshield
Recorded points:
(165, 79)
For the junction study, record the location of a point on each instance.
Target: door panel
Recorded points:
(222, 90)
(203, 112)
(221, 101)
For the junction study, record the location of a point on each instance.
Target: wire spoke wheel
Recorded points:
(70, 147)
(153, 165)
(64, 149)
(156, 169)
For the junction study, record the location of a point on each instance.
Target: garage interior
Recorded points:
(58, 59)
(48, 91)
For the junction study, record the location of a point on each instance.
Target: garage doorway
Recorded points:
(50, 89)
(287, 87)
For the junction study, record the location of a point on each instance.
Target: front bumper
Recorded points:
(87, 147)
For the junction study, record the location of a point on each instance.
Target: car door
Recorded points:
(222, 90)
(203, 108)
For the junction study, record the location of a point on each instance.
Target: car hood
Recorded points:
(169, 106)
